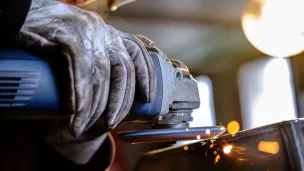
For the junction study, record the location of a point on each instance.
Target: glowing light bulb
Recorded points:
(275, 27)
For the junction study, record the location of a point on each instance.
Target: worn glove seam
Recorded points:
(114, 117)
(146, 55)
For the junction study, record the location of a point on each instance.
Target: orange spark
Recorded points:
(185, 148)
(227, 149)
(217, 158)
(269, 147)
(203, 143)
(114, 8)
(233, 127)
(208, 131)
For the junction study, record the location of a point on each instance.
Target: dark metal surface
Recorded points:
(245, 155)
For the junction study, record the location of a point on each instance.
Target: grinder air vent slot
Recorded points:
(17, 87)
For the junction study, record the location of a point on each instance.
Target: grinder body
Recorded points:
(176, 96)
(32, 87)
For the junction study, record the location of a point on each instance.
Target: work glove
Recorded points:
(104, 65)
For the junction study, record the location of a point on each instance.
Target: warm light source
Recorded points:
(275, 27)
(233, 127)
(217, 158)
(269, 147)
(114, 8)
(227, 149)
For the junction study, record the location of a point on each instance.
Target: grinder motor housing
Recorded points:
(33, 87)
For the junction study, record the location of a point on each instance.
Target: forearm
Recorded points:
(102, 159)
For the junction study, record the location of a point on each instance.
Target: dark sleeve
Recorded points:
(12, 16)
(23, 148)
(50, 160)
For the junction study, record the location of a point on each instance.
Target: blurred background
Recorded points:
(237, 82)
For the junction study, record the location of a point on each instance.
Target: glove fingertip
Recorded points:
(148, 91)
(77, 131)
(144, 86)
(146, 95)
(145, 72)
(153, 88)
(148, 42)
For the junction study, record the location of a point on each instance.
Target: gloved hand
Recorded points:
(104, 66)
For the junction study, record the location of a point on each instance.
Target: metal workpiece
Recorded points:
(275, 147)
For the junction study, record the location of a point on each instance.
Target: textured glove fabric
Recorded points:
(104, 65)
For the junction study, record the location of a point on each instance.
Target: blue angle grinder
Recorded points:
(31, 87)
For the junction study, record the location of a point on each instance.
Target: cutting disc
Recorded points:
(176, 134)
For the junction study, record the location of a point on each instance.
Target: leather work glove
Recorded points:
(104, 65)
